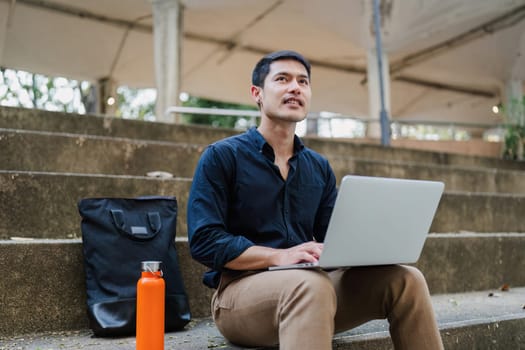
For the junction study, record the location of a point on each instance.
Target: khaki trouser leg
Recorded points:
(398, 293)
(301, 309)
(295, 308)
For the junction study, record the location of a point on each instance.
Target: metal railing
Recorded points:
(213, 111)
(337, 125)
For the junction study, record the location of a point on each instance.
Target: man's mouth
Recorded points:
(293, 101)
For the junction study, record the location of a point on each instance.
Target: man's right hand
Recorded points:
(305, 252)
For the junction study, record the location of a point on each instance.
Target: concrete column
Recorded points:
(312, 126)
(514, 108)
(6, 11)
(374, 97)
(107, 96)
(167, 30)
(513, 89)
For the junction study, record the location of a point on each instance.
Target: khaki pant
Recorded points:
(302, 309)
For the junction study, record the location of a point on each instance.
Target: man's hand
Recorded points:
(257, 257)
(306, 252)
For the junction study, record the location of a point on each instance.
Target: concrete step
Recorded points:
(74, 153)
(455, 177)
(34, 119)
(44, 205)
(88, 154)
(451, 263)
(53, 270)
(466, 321)
(30, 119)
(376, 152)
(479, 212)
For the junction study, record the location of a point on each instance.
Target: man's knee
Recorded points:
(413, 278)
(409, 287)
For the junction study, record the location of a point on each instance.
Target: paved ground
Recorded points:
(453, 310)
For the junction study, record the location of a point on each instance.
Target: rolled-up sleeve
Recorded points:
(207, 212)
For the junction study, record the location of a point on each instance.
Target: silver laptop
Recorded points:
(377, 221)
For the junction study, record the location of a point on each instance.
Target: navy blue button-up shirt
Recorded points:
(239, 199)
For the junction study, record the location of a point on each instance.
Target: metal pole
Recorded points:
(383, 115)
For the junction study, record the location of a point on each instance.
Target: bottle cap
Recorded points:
(150, 266)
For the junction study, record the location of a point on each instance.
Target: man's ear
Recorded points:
(256, 94)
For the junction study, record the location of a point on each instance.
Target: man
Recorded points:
(261, 199)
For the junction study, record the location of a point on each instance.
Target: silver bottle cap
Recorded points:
(150, 266)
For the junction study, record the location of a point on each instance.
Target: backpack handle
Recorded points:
(137, 232)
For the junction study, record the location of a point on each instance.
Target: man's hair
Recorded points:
(262, 68)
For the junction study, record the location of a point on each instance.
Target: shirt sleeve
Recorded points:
(326, 206)
(207, 212)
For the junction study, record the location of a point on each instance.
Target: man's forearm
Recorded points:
(254, 258)
(258, 257)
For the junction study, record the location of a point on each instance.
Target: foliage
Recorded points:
(514, 142)
(136, 103)
(228, 121)
(22, 89)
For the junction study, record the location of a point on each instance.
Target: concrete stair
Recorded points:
(93, 154)
(27, 119)
(43, 204)
(469, 330)
(51, 160)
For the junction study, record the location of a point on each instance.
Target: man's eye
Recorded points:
(281, 78)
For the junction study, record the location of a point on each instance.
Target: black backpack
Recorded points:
(117, 235)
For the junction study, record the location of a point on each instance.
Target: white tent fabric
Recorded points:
(479, 47)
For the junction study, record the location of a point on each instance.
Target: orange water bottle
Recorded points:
(150, 307)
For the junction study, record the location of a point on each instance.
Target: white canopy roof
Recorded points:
(450, 58)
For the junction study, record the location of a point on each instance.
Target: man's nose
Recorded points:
(294, 86)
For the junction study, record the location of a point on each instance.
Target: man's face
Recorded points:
(286, 93)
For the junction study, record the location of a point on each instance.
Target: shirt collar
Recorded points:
(261, 143)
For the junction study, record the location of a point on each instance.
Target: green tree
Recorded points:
(225, 121)
(136, 103)
(514, 142)
(29, 90)
(23, 89)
